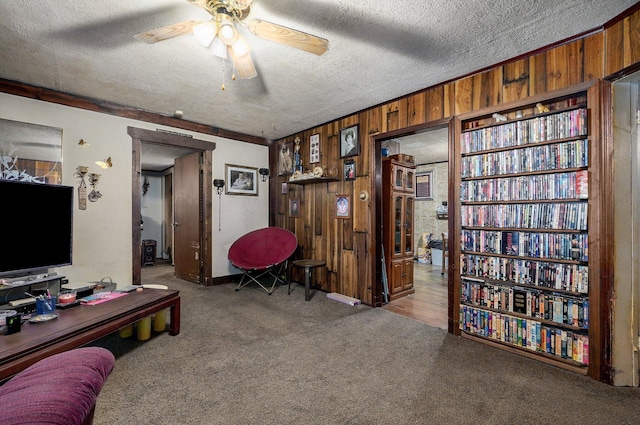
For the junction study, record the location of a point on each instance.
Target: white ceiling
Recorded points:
(378, 51)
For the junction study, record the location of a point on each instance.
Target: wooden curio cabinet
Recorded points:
(398, 209)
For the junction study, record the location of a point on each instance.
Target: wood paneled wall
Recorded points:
(348, 246)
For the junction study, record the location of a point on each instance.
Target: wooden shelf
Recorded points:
(314, 180)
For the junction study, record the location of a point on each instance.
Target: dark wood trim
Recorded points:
(376, 295)
(74, 101)
(632, 69)
(607, 269)
(139, 135)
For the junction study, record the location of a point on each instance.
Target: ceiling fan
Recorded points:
(222, 35)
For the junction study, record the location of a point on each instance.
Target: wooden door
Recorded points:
(187, 222)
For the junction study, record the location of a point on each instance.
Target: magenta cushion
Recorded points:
(262, 248)
(61, 389)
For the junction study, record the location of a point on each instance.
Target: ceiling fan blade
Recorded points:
(243, 65)
(290, 37)
(165, 33)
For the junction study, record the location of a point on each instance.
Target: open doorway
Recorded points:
(429, 146)
(198, 197)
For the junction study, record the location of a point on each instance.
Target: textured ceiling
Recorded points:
(378, 50)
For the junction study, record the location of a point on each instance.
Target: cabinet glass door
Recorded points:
(410, 178)
(398, 178)
(397, 225)
(408, 226)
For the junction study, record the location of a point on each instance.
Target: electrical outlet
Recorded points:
(196, 255)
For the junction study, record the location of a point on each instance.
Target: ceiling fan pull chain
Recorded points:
(224, 61)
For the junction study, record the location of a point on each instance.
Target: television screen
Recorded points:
(36, 227)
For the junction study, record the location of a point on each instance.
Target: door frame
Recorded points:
(377, 295)
(138, 136)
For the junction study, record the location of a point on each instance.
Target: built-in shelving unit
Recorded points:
(523, 230)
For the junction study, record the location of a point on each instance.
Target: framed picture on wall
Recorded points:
(314, 148)
(349, 142)
(350, 170)
(294, 207)
(343, 206)
(424, 185)
(241, 180)
(285, 159)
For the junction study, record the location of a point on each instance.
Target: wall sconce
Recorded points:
(264, 173)
(219, 184)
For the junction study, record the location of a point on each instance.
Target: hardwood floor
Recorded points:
(429, 302)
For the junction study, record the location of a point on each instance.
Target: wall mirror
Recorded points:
(30, 152)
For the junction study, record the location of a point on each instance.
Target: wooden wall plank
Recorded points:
(348, 275)
(362, 270)
(463, 95)
(537, 74)
(614, 48)
(515, 80)
(593, 57)
(449, 102)
(392, 116)
(374, 120)
(417, 105)
(434, 103)
(631, 39)
(486, 89)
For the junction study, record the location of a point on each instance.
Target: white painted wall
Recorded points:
(151, 208)
(102, 232)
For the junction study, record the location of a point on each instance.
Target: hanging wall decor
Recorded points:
(314, 148)
(81, 172)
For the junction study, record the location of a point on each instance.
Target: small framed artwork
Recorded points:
(285, 159)
(314, 148)
(241, 180)
(350, 169)
(424, 185)
(343, 206)
(294, 207)
(285, 188)
(349, 142)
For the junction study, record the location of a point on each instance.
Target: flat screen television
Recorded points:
(36, 227)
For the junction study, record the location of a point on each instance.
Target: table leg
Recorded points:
(307, 282)
(174, 322)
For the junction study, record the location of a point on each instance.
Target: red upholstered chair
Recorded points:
(59, 390)
(263, 252)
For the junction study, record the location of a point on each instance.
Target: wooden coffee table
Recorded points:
(81, 325)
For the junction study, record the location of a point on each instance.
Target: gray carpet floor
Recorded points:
(249, 358)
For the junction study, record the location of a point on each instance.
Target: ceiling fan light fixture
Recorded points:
(219, 48)
(241, 47)
(227, 31)
(205, 32)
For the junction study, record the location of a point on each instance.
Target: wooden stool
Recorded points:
(307, 264)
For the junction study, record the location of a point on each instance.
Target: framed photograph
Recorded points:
(285, 159)
(349, 141)
(424, 185)
(350, 169)
(241, 180)
(285, 188)
(294, 207)
(343, 206)
(314, 148)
